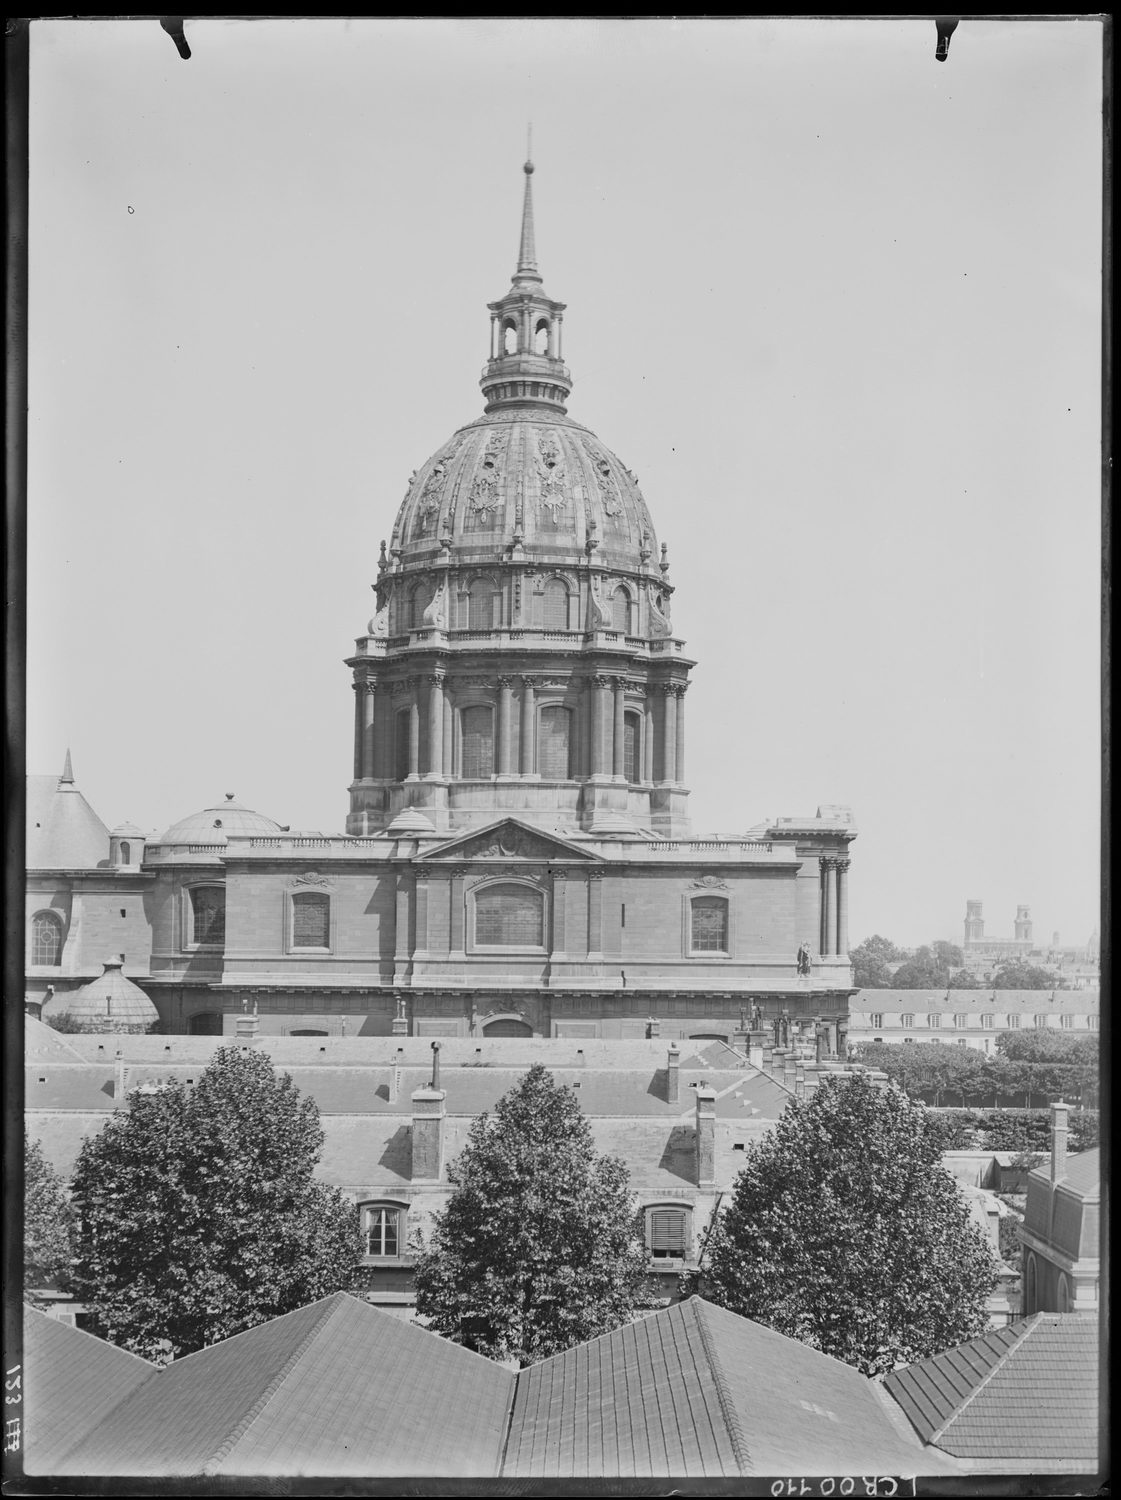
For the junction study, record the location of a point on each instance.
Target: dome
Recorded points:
(213, 824)
(111, 1001)
(525, 472)
(126, 831)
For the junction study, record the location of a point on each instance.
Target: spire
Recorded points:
(67, 777)
(527, 250)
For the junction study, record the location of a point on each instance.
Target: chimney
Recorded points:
(428, 1134)
(800, 1080)
(1059, 1115)
(248, 1026)
(120, 1084)
(706, 1136)
(653, 1027)
(673, 1076)
(395, 1081)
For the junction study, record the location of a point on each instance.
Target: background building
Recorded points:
(1077, 966)
(970, 1018)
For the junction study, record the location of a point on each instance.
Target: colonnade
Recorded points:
(599, 730)
(834, 936)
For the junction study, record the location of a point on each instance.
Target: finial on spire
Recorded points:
(67, 777)
(527, 250)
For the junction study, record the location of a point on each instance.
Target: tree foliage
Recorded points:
(200, 1214)
(1018, 974)
(540, 1246)
(48, 1224)
(1021, 1070)
(844, 1232)
(871, 960)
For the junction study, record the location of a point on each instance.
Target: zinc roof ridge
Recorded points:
(723, 1389)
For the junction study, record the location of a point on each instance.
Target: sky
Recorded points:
(836, 303)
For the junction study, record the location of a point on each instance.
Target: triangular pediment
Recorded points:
(508, 839)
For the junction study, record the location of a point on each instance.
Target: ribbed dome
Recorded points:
(527, 472)
(111, 1002)
(212, 824)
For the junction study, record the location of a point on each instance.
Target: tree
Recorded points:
(48, 1224)
(1018, 974)
(843, 1231)
(540, 1245)
(947, 955)
(200, 1215)
(870, 960)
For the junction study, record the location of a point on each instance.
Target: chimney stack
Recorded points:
(435, 1084)
(673, 1076)
(248, 1026)
(706, 1136)
(428, 1134)
(120, 1085)
(1059, 1115)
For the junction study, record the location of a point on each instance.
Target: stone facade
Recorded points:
(517, 856)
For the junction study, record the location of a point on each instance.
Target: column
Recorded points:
(528, 701)
(843, 905)
(414, 730)
(505, 710)
(669, 731)
(601, 686)
(679, 745)
(370, 729)
(436, 725)
(359, 724)
(618, 761)
(449, 759)
(648, 739)
(829, 918)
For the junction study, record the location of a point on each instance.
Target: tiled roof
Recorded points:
(41, 1043)
(1080, 1002)
(71, 1382)
(336, 1388)
(1082, 1175)
(63, 831)
(695, 1391)
(1026, 1394)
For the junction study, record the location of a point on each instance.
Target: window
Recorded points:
(418, 603)
(509, 916)
(988, 1020)
(554, 754)
(708, 920)
(621, 611)
(401, 745)
(1031, 1291)
(961, 1019)
(1067, 1022)
(554, 605)
(1040, 1020)
(632, 747)
(934, 1020)
(208, 914)
(126, 852)
(482, 605)
(666, 1233)
(381, 1229)
(46, 939)
(1014, 1023)
(907, 1018)
(876, 1020)
(478, 743)
(311, 920)
(962, 1042)
(1092, 1022)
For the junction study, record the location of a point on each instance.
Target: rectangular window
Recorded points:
(907, 1018)
(1067, 1022)
(1040, 1020)
(311, 918)
(709, 923)
(478, 744)
(1014, 1022)
(553, 738)
(632, 740)
(1092, 1022)
(875, 1020)
(934, 1020)
(510, 916)
(381, 1228)
(960, 1019)
(667, 1233)
(987, 1020)
(208, 914)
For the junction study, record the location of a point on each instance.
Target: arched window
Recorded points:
(555, 605)
(1031, 1287)
(205, 1023)
(708, 918)
(667, 1233)
(1062, 1294)
(632, 747)
(311, 919)
(477, 753)
(554, 743)
(510, 338)
(383, 1227)
(509, 916)
(418, 603)
(541, 337)
(208, 914)
(401, 745)
(482, 605)
(46, 939)
(126, 852)
(621, 611)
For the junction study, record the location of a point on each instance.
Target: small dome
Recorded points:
(126, 831)
(213, 824)
(111, 1001)
(410, 821)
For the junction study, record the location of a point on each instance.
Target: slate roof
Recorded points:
(1082, 1174)
(1021, 1396)
(71, 1382)
(695, 1391)
(63, 831)
(1081, 1002)
(41, 1043)
(337, 1388)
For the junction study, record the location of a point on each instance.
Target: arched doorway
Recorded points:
(507, 1026)
(206, 1023)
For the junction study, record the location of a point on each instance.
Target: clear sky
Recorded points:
(836, 303)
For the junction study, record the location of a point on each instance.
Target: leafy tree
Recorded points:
(48, 1223)
(947, 955)
(200, 1215)
(843, 1231)
(870, 960)
(65, 1022)
(1018, 974)
(963, 979)
(540, 1246)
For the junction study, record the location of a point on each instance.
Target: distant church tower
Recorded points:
(522, 658)
(1023, 924)
(974, 923)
